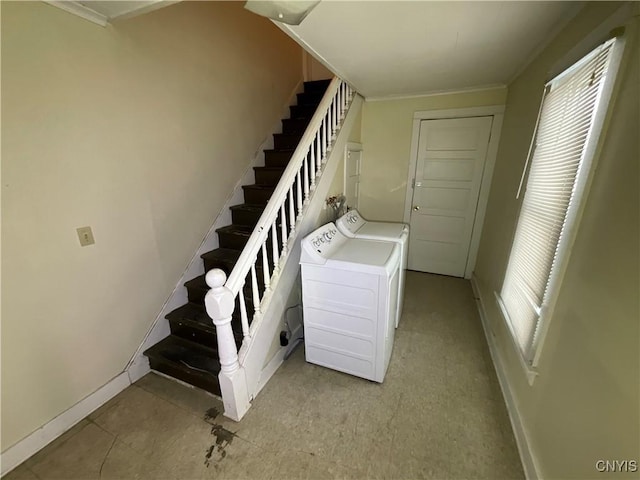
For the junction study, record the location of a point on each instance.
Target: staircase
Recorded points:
(190, 352)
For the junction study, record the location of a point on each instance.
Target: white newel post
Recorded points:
(219, 302)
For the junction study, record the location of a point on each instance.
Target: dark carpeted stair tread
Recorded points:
(226, 258)
(316, 85)
(295, 125)
(237, 229)
(255, 186)
(309, 98)
(234, 236)
(199, 284)
(302, 111)
(195, 324)
(258, 194)
(268, 175)
(192, 312)
(250, 207)
(223, 258)
(271, 169)
(187, 361)
(191, 322)
(278, 158)
(246, 213)
(283, 141)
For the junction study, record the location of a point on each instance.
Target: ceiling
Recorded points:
(103, 12)
(397, 48)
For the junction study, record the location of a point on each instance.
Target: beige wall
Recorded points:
(584, 405)
(313, 69)
(386, 139)
(139, 130)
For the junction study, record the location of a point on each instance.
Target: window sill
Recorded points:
(530, 372)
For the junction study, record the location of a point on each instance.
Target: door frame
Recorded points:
(495, 111)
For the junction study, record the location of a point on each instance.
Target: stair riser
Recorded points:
(295, 125)
(317, 86)
(232, 241)
(268, 177)
(309, 98)
(277, 159)
(193, 334)
(257, 196)
(201, 380)
(302, 111)
(211, 264)
(196, 295)
(245, 217)
(282, 141)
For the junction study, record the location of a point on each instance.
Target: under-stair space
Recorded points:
(189, 353)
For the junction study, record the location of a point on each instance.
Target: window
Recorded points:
(554, 180)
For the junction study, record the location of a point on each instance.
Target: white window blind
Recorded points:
(555, 167)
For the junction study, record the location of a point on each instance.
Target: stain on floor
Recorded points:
(217, 451)
(211, 414)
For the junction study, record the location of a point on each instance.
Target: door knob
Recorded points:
(416, 208)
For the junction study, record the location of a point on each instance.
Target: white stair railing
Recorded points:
(258, 266)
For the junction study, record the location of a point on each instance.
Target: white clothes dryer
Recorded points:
(352, 225)
(349, 296)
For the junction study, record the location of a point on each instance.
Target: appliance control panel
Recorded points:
(324, 237)
(318, 245)
(352, 217)
(350, 222)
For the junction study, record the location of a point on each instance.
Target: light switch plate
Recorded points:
(85, 235)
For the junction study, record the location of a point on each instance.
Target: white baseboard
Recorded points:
(31, 444)
(529, 461)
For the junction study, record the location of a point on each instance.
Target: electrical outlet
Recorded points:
(85, 235)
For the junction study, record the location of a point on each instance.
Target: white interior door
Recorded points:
(449, 169)
(352, 163)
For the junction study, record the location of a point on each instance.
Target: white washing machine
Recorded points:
(353, 225)
(349, 300)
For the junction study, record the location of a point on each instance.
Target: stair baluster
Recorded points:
(244, 319)
(265, 267)
(254, 288)
(312, 167)
(299, 194)
(324, 138)
(306, 178)
(292, 216)
(275, 248)
(321, 161)
(283, 229)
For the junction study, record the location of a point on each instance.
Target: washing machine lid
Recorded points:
(364, 255)
(352, 225)
(327, 246)
(383, 230)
